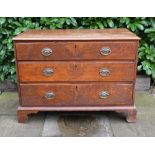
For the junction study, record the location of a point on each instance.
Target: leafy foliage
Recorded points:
(147, 59)
(142, 26)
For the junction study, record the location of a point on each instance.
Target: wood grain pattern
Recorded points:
(75, 71)
(76, 61)
(23, 114)
(129, 111)
(76, 94)
(120, 50)
(78, 108)
(32, 51)
(78, 34)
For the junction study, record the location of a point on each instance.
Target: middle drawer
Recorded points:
(76, 71)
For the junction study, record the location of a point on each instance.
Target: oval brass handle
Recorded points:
(46, 52)
(104, 72)
(48, 71)
(105, 51)
(103, 94)
(49, 95)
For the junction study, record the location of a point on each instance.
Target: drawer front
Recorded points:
(107, 50)
(45, 51)
(76, 71)
(76, 50)
(92, 94)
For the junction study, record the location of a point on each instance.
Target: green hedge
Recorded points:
(143, 27)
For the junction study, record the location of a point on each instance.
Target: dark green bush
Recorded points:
(143, 27)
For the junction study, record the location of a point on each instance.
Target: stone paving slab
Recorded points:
(77, 125)
(120, 127)
(145, 102)
(144, 127)
(9, 127)
(8, 103)
(51, 128)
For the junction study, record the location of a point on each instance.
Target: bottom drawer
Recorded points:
(87, 94)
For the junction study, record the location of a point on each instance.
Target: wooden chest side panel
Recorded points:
(76, 94)
(76, 71)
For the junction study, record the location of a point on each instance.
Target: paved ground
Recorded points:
(100, 124)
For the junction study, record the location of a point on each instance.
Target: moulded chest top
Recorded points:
(77, 34)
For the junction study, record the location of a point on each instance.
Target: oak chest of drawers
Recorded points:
(76, 70)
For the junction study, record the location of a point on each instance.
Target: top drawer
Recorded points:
(114, 50)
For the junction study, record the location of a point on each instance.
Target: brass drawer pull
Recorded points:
(48, 71)
(49, 95)
(46, 52)
(105, 51)
(103, 94)
(104, 72)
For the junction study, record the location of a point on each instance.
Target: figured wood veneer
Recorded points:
(74, 63)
